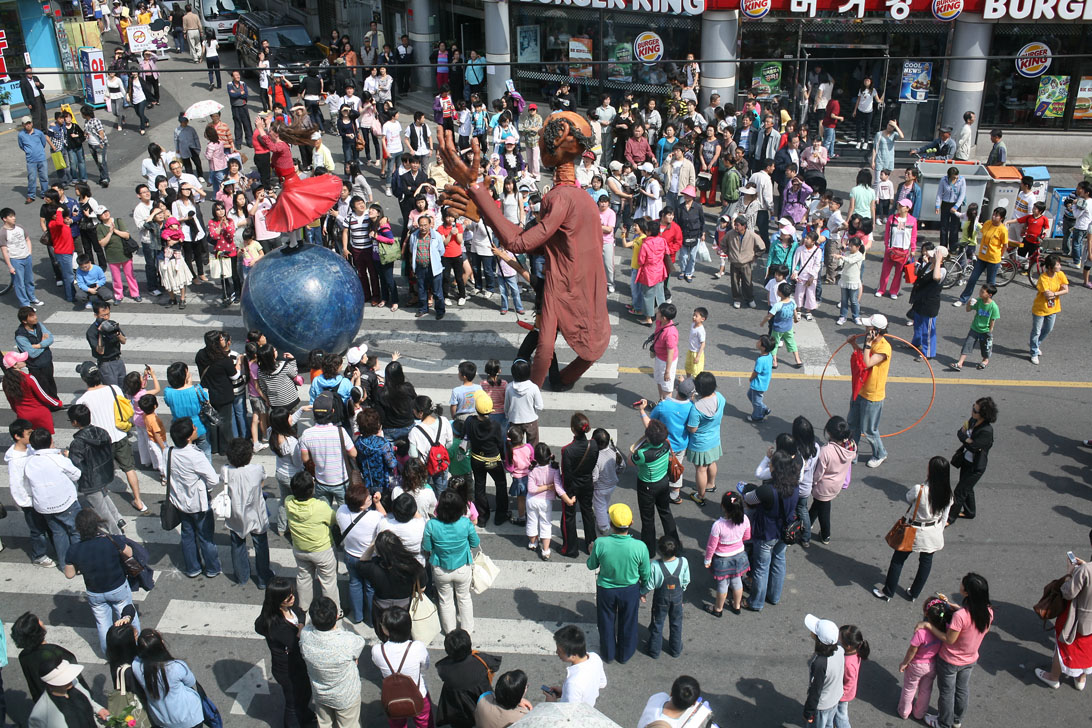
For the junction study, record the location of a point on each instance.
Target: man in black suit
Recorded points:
(408, 184)
(33, 91)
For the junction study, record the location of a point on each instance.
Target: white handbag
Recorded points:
(221, 505)
(484, 573)
(425, 617)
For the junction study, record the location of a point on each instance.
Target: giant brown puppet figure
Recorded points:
(567, 232)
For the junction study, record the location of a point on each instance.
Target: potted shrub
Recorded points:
(5, 105)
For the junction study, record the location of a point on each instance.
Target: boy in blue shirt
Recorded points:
(760, 379)
(462, 397)
(91, 282)
(782, 317)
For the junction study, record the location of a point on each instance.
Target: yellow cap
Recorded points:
(620, 515)
(483, 403)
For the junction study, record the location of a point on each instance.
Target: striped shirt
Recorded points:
(321, 443)
(96, 135)
(279, 386)
(360, 235)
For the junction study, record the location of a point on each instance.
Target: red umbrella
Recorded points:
(302, 201)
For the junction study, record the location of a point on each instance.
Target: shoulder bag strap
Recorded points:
(424, 432)
(350, 528)
(917, 502)
(383, 651)
(170, 452)
(345, 453)
(119, 679)
(404, 656)
(117, 404)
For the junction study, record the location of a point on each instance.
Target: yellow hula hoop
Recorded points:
(932, 376)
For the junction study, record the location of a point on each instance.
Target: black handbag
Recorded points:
(169, 515)
(130, 564)
(208, 415)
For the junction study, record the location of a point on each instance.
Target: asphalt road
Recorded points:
(1033, 502)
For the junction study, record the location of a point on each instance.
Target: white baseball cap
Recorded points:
(824, 629)
(876, 321)
(645, 167)
(356, 354)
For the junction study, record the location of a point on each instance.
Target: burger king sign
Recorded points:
(1033, 60)
(947, 10)
(648, 47)
(755, 9)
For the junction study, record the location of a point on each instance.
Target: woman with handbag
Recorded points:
(449, 539)
(926, 517)
(652, 457)
(102, 561)
(394, 574)
(925, 298)
(900, 239)
(1073, 628)
(772, 507)
(185, 400)
(280, 622)
(975, 442)
(174, 700)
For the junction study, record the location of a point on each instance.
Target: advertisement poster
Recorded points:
(766, 79)
(580, 49)
(144, 38)
(917, 76)
(622, 70)
(94, 76)
(1053, 92)
(528, 50)
(1083, 108)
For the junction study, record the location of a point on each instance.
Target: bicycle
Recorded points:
(957, 269)
(1013, 263)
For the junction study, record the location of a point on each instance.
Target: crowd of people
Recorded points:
(394, 485)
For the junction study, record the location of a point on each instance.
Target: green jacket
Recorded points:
(310, 522)
(621, 559)
(730, 183)
(655, 469)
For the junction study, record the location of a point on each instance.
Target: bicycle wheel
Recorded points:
(7, 280)
(955, 272)
(1007, 272)
(1034, 271)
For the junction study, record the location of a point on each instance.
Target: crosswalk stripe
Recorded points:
(197, 319)
(22, 578)
(236, 621)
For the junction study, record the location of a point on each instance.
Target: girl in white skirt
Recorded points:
(136, 385)
(543, 483)
(173, 272)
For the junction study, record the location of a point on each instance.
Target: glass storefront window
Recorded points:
(549, 43)
(13, 54)
(1014, 101)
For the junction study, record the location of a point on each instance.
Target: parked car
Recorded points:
(292, 50)
(220, 16)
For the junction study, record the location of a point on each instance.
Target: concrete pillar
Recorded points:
(719, 40)
(966, 75)
(424, 33)
(497, 47)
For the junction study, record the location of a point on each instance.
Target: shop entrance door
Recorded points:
(843, 68)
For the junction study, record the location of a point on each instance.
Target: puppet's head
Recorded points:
(565, 136)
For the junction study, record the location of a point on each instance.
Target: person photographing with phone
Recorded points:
(1073, 628)
(870, 362)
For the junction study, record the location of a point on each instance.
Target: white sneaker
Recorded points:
(88, 306)
(858, 321)
(841, 320)
(157, 292)
(894, 296)
(735, 304)
(259, 446)
(461, 302)
(876, 462)
(487, 295)
(1034, 358)
(752, 304)
(44, 561)
(957, 303)
(879, 295)
(610, 289)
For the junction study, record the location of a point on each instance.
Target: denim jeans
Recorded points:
(509, 288)
(824, 718)
(953, 688)
(1041, 326)
(687, 260)
(925, 334)
(39, 533)
(240, 560)
(851, 306)
(425, 281)
(864, 419)
(239, 426)
(216, 176)
(617, 610)
(77, 164)
(758, 407)
(360, 592)
(828, 139)
(151, 267)
(805, 518)
(1076, 244)
(894, 571)
(768, 572)
(99, 154)
(976, 272)
(636, 290)
(202, 444)
(841, 715)
(197, 545)
(313, 235)
(671, 610)
(107, 608)
(24, 279)
(37, 179)
(62, 528)
(608, 262)
(388, 289)
(482, 265)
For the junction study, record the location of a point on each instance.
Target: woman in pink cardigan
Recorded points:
(831, 471)
(651, 271)
(900, 239)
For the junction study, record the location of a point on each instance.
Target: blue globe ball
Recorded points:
(304, 298)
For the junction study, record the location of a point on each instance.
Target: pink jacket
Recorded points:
(519, 460)
(541, 478)
(726, 538)
(834, 462)
(651, 261)
(892, 223)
